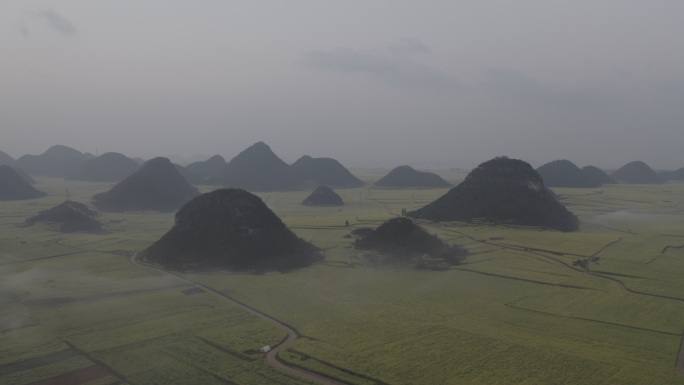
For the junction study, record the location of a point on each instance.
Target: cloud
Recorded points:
(390, 67)
(58, 22)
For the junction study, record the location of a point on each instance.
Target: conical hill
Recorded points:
(323, 196)
(501, 190)
(257, 168)
(407, 176)
(68, 216)
(401, 240)
(108, 167)
(14, 187)
(636, 172)
(325, 171)
(230, 229)
(564, 173)
(157, 185)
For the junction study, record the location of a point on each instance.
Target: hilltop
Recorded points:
(501, 190)
(157, 185)
(57, 161)
(636, 172)
(230, 229)
(324, 171)
(68, 216)
(401, 241)
(257, 168)
(108, 167)
(323, 196)
(564, 173)
(407, 176)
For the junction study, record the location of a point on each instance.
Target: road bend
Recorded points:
(272, 355)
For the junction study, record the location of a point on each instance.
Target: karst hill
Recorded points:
(323, 196)
(407, 177)
(257, 168)
(564, 173)
(57, 161)
(68, 216)
(230, 229)
(325, 171)
(501, 190)
(157, 185)
(108, 167)
(5, 159)
(208, 168)
(672, 175)
(400, 240)
(14, 187)
(597, 175)
(636, 172)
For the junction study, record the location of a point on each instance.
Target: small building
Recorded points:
(265, 349)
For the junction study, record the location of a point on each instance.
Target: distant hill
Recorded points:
(68, 216)
(324, 171)
(672, 175)
(208, 168)
(57, 161)
(636, 172)
(597, 175)
(108, 167)
(402, 241)
(157, 185)
(501, 190)
(407, 176)
(257, 168)
(323, 196)
(190, 176)
(24, 175)
(13, 187)
(6, 160)
(230, 229)
(564, 173)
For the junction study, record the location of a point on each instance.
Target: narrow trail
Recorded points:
(679, 364)
(272, 355)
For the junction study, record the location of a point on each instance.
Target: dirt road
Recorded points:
(272, 355)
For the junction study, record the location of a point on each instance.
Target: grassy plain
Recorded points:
(519, 312)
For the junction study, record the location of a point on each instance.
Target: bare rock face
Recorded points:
(636, 172)
(564, 173)
(257, 168)
(323, 196)
(407, 176)
(68, 216)
(501, 190)
(324, 171)
(400, 240)
(14, 187)
(157, 185)
(230, 229)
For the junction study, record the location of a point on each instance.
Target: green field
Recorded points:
(518, 312)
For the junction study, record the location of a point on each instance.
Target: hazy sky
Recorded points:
(425, 83)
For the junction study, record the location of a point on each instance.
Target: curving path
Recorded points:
(272, 355)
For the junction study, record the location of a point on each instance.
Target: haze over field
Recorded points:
(382, 83)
